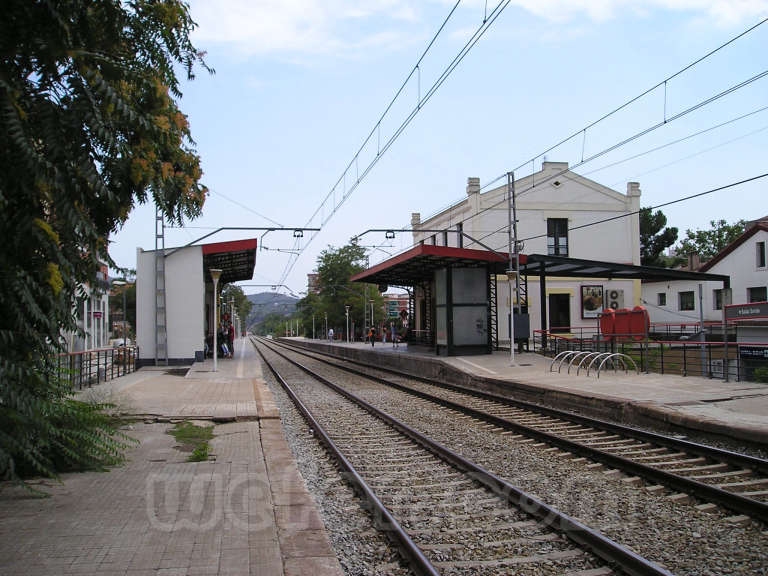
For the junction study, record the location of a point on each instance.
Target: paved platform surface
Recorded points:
(711, 405)
(246, 512)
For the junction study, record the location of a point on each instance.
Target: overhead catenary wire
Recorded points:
(618, 145)
(479, 32)
(632, 101)
(676, 141)
(472, 41)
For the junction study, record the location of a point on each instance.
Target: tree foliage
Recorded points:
(242, 304)
(655, 237)
(708, 243)
(335, 266)
(89, 125)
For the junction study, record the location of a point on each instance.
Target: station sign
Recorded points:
(746, 311)
(756, 352)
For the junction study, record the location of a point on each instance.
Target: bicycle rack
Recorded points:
(563, 357)
(619, 357)
(588, 359)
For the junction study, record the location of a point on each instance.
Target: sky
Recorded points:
(300, 84)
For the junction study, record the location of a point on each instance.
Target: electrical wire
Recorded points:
(249, 209)
(699, 153)
(479, 33)
(678, 141)
(619, 144)
(633, 100)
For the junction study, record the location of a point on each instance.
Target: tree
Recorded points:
(335, 267)
(273, 323)
(655, 238)
(242, 304)
(708, 243)
(89, 125)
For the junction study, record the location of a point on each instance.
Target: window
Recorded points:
(717, 299)
(760, 254)
(557, 236)
(661, 299)
(686, 300)
(757, 294)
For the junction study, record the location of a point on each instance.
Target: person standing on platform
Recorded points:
(372, 336)
(231, 335)
(330, 334)
(394, 334)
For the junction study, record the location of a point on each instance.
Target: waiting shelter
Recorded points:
(174, 296)
(453, 307)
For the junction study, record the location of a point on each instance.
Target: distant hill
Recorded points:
(266, 303)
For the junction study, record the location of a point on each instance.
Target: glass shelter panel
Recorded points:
(470, 325)
(469, 285)
(441, 287)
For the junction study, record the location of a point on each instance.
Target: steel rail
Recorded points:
(734, 458)
(730, 500)
(579, 533)
(382, 516)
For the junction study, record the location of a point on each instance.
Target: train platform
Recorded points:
(737, 410)
(244, 511)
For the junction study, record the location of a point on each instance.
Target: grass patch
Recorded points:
(199, 454)
(193, 439)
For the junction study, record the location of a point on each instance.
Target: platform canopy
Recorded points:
(236, 259)
(565, 267)
(419, 264)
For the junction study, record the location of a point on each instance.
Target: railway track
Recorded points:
(447, 514)
(735, 481)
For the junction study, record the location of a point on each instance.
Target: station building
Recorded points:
(550, 206)
(578, 253)
(174, 297)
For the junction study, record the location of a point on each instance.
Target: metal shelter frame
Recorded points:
(543, 265)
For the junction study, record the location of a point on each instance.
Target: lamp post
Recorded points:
(313, 326)
(372, 322)
(326, 324)
(125, 312)
(215, 275)
(346, 307)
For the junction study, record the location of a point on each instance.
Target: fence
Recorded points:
(744, 361)
(84, 369)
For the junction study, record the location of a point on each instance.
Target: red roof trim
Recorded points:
(232, 246)
(733, 245)
(430, 250)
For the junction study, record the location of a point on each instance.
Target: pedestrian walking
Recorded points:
(394, 335)
(372, 335)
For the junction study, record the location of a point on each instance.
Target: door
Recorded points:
(559, 313)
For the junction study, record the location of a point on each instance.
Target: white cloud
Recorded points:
(300, 27)
(720, 12)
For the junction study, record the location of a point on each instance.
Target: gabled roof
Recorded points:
(735, 244)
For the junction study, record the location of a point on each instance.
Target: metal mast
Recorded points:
(161, 332)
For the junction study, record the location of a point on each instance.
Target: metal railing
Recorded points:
(90, 367)
(744, 361)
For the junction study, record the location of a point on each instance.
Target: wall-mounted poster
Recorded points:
(591, 301)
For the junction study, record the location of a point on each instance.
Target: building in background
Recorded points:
(555, 211)
(395, 305)
(92, 316)
(744, 260)
(313, 283)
